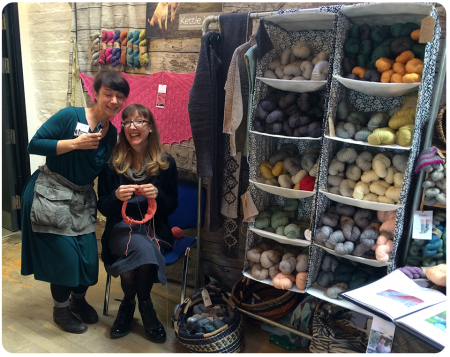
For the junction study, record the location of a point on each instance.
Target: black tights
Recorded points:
(138, 281)
(61, 293)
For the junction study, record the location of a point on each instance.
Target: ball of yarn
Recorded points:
(254, 254)
(302, 262)
(380, 163)
(285, 181)
(322, 235)
(306, 67)
(279, 71)
(274, 270)
(437, 274)
(364, 161)
(324, 279)
(298, 177)
(351, 46)
(301, 50)
(330, 220)
(269, 257)
(345, 210)
(400, 162)
(362, 134)
(283, 281)
(377, 120)
(307, 183)
(274, 64)
(369, 176)
(418, 50)
(346, 187)
(261, 223)
(344, 248)
(393, 193)
(372, 75)
(382, 136)
(329, 263)
(300, 280)
(348, 64)
(333, 291)
(362, 217)
(292, 231)
(412, 272)
(405, 135)
(278, 169)
(177, 232)
(315, 129)
(320, 71)
(347, 155)
(336, 167)
(276, 115)
(401, 44)
(334, 238)
(345, 130)
(361, 189)
(353, 172)
(258, 272)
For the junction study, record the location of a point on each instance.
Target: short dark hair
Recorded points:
(113, 80)
(139, 109)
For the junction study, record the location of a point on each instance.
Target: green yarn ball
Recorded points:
(418, 50)
(351, 46)
(278, 214)
(411, 26)
(270, 230)
(399, 29)
(291, 204)
(274, 208)
(290, 214)
(413, 261)
(362, 61)
(292, 231)
(379, 52)
(362, 135)
(279, 221)
(280, 230)
(379, 34)
(371, 65)
(354, 32)
(262, 223)
(265, 214)
(366, 47)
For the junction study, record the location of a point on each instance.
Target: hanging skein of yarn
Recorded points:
(130, 60)
(102, 56)
(143, 56)
(123, 44)
(109, 49)
(95, 38)
(151, 210)
(136, 63)
(116, 50)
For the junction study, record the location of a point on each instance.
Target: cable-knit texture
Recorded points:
(143, 57)
(123, 42)
(102, 56)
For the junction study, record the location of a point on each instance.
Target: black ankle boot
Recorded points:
(122, 324)
(86, 311)
(70, 323)
(153, 328)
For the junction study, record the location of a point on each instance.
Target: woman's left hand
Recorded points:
(148, 190)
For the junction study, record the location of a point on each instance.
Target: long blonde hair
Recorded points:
(122, 154)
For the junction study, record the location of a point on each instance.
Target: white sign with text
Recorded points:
(193, 21)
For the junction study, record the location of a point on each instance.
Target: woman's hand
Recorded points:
(124, 192)
(87, 141)
(148, 190)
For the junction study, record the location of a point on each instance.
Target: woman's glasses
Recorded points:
(137, 123)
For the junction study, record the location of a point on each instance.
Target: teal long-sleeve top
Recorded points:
(78, 166)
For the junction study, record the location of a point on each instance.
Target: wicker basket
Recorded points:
(441, 124)
(227, 339)
(270, 302)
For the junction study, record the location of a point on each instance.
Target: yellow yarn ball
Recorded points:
(371, 197)
(266, 170)
(402, 117)
(382, 136)
(279, 169)
(405, 135)
(361, 189)
(384, 199)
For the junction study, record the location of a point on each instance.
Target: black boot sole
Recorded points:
(119, 335)
(75, 332)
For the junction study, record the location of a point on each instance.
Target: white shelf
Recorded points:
(305, 20)
(365, 143)
(289, 85)
(268, 281)
(281, 239)
(377, 206)
(387, 13)
(372, 262)
(285, 136)
(386, 90)
(318, 293)
(285, 192)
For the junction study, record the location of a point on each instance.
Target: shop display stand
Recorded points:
(418, 194)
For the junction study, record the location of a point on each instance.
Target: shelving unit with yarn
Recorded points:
(384, 171)
(266, 140)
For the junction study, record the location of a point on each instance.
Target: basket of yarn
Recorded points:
(269, 302)
(201, 333)
(440, 127)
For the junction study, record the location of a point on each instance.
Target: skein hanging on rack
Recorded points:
(102, 56)
(108, 53)
(123, 43)
(130, 60)
(143, 56)
(116, 50)
(136, 63)
(95, 38)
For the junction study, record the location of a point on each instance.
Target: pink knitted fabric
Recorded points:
(173, 121)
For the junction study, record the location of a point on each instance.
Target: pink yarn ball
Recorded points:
(177, 233)
(384, 216)
(388, 226)
(381, 254)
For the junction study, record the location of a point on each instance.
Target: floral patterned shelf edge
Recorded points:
(294, 85)
(286, 137)
(269, 282)
(365, 143)
(372, 262)
(281, 239)
(285, 192)
(376, 206)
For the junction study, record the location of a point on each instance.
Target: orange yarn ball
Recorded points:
(177, 233)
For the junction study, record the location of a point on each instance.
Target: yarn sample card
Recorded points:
(381, 336)
(393, 296)
(161, 96)
(423, 225)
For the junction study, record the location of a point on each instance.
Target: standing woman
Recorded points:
(59, 202)
(139, 172)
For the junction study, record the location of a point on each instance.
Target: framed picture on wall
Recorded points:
(178, 19)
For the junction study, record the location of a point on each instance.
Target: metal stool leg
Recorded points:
(184, 276)
(107, 289)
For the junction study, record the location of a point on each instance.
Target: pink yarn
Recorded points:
(384, 216)
(102, 56)
(173, 121)
(108, 55)
(388, 226)
(383, 249)
(110, 38)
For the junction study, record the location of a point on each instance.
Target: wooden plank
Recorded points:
(182, 45)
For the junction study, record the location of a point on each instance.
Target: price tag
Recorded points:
(206, 299)
(307, 234)
(161, 96)
(427, 29)
(440, 154)
(89, 54)
(423, 225)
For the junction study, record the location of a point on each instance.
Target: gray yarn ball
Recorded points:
(345, 210)
(344, 248)
(335, 238)
(324, 279)
(362, 217)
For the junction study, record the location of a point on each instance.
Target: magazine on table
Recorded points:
(409, 306)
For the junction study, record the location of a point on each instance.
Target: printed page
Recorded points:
(431, 322)
(395, 296)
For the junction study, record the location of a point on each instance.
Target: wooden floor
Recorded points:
(28, 326)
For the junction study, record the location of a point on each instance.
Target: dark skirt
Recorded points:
(133, 252)
(62, 260)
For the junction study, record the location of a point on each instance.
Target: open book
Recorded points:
(397, 298)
